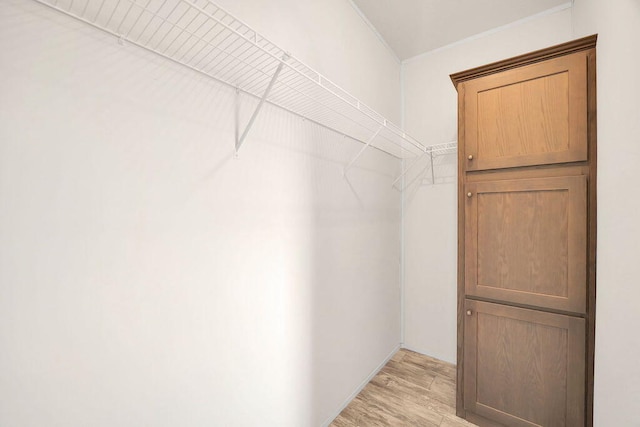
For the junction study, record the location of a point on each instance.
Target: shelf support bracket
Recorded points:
(433, 174)
(240, 140)
(449, 147)
(404, 172)
(344, 171)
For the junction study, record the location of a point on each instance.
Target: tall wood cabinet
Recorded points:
(526, 238)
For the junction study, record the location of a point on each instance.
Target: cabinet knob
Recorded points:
(469, 194)
(470, 157)
(468, 312)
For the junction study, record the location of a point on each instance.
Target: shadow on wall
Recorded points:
(155, 279)
(341, 286)
(345, 231)
(442, 170)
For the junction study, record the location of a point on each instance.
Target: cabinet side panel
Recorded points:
(592, 230)
(461, 242)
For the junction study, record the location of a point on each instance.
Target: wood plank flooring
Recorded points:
(411, 390)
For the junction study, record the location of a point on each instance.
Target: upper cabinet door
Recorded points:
(531, 115)
(525, 241)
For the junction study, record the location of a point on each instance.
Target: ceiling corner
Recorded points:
(375, 31)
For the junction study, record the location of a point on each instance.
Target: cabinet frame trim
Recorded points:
(573, 46)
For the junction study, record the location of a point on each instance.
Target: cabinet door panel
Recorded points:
(525, 241)
(528, 116)
(524, 367)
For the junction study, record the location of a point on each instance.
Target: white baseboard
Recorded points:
(361, 386)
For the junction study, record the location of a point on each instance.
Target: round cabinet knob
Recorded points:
(470, 157)
(468, 312)
(469, 194)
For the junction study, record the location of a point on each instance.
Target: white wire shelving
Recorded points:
(431, 151)
(202, 36)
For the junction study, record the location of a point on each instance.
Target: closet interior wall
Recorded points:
(86, 147)
(150, 278)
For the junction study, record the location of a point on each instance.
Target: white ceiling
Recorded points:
(412, 27)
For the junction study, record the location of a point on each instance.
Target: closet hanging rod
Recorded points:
(202, 36)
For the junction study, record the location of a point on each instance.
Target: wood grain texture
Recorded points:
(523, 241)
(528, 116)
(526, 161)
(411, 390)
(542, 171)
(526, 241)
(524, 367)
(592, 229)
(462, 159)
(544, 101)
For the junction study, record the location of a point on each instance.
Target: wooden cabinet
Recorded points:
(526, 245)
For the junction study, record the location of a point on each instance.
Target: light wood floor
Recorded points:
(411, 390)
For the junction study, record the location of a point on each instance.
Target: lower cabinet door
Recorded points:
(524, 367)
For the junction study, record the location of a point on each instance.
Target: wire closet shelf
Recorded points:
(203, 37)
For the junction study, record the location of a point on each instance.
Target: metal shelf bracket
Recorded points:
(404, 172)
(344, 171)
(240, 140)
(440, 149)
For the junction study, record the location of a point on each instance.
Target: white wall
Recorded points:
(345, 49)
(430, 211)
(430, 216)
(149, 278)
(617, 372)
